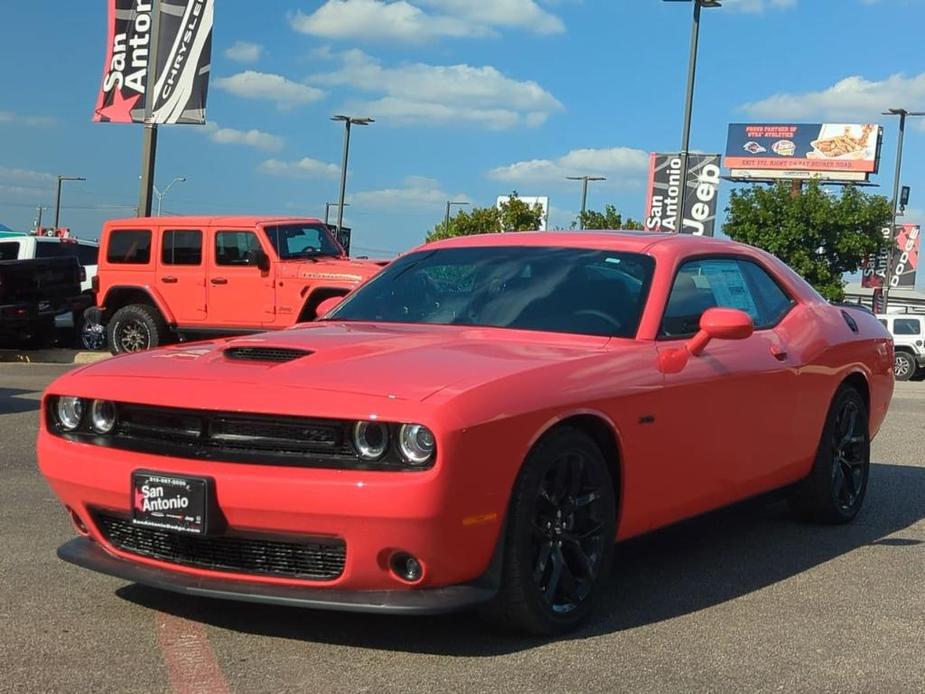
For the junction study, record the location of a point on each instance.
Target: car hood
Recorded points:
(328, 269)
(394, 361)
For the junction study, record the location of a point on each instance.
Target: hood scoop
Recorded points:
(276, 355)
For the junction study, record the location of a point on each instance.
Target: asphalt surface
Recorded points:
(746, 599)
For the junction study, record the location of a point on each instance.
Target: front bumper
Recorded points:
(87, 554)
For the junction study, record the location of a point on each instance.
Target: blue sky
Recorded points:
(473, 99)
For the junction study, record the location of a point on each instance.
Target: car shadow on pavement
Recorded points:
(688, 567)
(14, 401)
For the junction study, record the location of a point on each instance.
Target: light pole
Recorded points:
(689, 102)
(903, 114)
(446, 219)
(161, 195)
(58, 196)
(327, 208)
(584, 194)
(348, 121)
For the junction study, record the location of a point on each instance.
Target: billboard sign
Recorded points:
(905, 259)
(183, 55)
(663, 195)
(833, 151)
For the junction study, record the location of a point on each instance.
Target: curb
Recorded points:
(51, 356)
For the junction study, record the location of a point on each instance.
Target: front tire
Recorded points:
(904, 366)
(559, 537)
(835, 488)
(135, 328)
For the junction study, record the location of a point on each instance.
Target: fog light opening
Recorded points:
(79, 525)
(406, 567)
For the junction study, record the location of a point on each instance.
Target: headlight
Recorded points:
(416, 443)
(69, 411)
(102, 416)
(371, 439)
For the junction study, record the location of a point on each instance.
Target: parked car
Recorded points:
(33, 293)
(908, 331)
(29, 247)
(163, 278)
(475, 426)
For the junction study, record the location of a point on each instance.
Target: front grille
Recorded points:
(315, 559)
(271, 354)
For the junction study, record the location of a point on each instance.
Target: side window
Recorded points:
(181, 247)
(88, 255)
(234, 247)
(9, 250)
(907, 326)
(129, 247)
(726, 283)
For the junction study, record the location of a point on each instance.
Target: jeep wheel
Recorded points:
(903, 366)
(136, 327)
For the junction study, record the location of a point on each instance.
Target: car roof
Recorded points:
(209, 220)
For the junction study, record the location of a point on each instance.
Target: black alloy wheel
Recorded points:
(91, 335)
(560, 536)
(834, 490)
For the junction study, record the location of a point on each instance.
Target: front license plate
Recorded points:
(167, 502)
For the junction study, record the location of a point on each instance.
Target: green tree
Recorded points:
(820, 235)
(513, 215)
(608, 219)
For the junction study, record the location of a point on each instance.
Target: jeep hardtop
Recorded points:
(163, 278)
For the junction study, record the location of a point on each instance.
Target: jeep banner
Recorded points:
(905, 260)
(664, 194)
(181, 61)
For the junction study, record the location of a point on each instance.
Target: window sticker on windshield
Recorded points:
(616, 261)
(728, 285)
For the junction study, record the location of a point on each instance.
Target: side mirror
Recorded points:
(328, 305)
(258, 257)
(720, 324)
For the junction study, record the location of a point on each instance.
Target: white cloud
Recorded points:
(20, 175)
(285, 93)
(244, 52)
(418, 93)
(623, 166)
(303, 168)
(418, 194)
(249, 138)
(32, 121)
(756, 6)
(852, 98)
(515, 14)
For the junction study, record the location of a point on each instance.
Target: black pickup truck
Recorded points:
(32, 293)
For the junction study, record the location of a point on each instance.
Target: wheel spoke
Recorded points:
(587, 499)
(567, 580)
(851, 484)
(542, 561)
(555, 575)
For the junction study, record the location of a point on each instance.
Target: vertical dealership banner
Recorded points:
(663, 195)
(905, 259)
(181, 60)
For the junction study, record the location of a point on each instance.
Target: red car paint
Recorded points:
(694, 432)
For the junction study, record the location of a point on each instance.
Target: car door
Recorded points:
(731, 408)
(240, 295)
(181, 276)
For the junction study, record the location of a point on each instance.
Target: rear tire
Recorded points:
(135, 328)
(559, 537)
(835, 488)
(904, 366)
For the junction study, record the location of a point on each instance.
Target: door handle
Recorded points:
(169, 280)
(779, 353)
(218, 280)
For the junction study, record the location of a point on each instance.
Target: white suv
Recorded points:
(908, 331)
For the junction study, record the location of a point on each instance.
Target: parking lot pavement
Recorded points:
(746, 599)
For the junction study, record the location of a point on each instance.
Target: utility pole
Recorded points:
(348, 122)
(58, 196)
(149, 139)
(903, 114)
(446, 219)
(584, 194)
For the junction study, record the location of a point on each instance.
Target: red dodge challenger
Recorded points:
(475, 426)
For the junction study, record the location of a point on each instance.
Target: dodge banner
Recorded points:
(664, 194)
(181, 62)
(905, 260)
(828, 150)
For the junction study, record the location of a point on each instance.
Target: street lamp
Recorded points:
(446, 220)
(689, 102)
(58, 196)
(584, 194)
(348, 121)
(903, 114)
(327, 208)
(161, 195)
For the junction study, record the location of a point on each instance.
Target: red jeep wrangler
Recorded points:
(166, 277)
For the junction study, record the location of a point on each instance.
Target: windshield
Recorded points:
(292, 241)
(568, 290)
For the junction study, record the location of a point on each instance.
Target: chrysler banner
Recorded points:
(181, 61)
(664, 194)
(905, 260)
